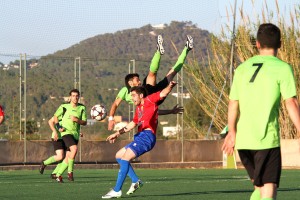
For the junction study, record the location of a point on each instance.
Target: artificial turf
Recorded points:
(215, 184)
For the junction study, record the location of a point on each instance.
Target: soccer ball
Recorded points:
(98, 112)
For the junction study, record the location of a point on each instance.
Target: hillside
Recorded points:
(105, 60)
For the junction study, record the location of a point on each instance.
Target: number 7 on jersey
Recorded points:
(259, 65)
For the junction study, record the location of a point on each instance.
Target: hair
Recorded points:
(74, 90)
(268, 35)
(139, 90)
(129, 77)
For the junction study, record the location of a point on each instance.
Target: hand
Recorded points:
(177, 109)
(112, 138)
(62, 129)
(172, 84)
(111, 125)
(229, 142)
(73, 118)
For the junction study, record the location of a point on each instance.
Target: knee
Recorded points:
(72, 153)
(60, 157)
(74, 149)
(117, 156)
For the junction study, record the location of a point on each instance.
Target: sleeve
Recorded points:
(287, 83)
(155, 97)
(1, 111)
(122, 93)
(59, 111)
(84, 115)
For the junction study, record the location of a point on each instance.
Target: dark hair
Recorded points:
(129, 77)
(74, 90)
(268, 35)
(139, 90)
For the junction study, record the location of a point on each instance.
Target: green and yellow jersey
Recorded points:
(65, 111)
(124, 94)
(258, 85)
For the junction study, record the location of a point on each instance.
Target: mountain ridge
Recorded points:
(105, 60)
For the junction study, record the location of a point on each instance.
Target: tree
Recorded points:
(209, 79)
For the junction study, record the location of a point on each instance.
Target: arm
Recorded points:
(51, 123)
(114, 106)
(1, 119)
(56, 123)
(112, 138)
(233, 110)
(164, 93)
(78, 121)
(292, 107)
(175, 110)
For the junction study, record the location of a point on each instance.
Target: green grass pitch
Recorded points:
(190, 184)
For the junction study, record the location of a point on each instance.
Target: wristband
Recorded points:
(58, 126)
(110, 118)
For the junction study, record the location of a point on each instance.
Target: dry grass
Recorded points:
(207, 77)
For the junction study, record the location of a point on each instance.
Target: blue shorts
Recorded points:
(143, 142)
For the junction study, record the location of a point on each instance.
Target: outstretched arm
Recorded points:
(114, 106)
(112, 138)
(175, 110)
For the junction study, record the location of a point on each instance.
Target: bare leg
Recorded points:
(268, 190)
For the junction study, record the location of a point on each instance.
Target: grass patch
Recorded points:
(158, 184)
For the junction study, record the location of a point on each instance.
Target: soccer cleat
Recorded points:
(189, 42)
(112, 194)
(134, 187)
(160, 47)
(53, 176)
(42, 167)
(70, 176)
(59, 179)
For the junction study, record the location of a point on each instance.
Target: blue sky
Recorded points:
(39, 27)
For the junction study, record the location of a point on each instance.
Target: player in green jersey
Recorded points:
(150, 81)
(59, 149)
(72, 115)
(253, 110)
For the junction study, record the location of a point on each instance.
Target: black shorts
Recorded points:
(69, 140)
(158, 87)
(59, 144)
(263, 166)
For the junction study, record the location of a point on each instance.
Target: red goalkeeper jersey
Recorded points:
(146, 115)
(1, 111)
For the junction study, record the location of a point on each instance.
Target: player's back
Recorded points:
(258, 85)
(259, 79)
